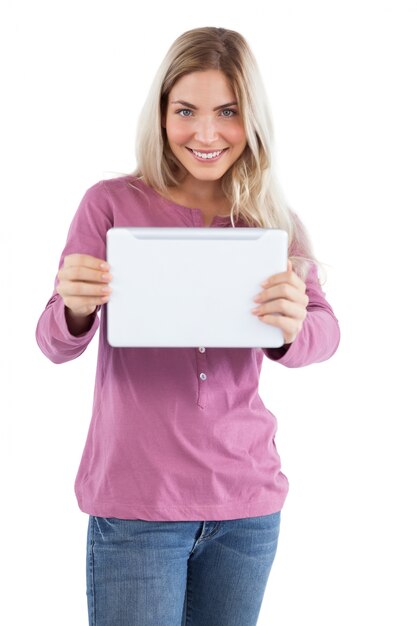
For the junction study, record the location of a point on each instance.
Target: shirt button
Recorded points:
(202, 349)
(203, 376)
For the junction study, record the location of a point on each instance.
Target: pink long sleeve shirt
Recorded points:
(175, 433)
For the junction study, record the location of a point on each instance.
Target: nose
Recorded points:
(206, 131)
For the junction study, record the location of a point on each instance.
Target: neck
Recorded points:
(202, 191)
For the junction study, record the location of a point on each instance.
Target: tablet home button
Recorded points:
(202, 349)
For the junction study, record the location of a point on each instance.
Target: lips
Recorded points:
(207, 155)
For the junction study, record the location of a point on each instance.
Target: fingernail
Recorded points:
(104, 266)
(265, 283)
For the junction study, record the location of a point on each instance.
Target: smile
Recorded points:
(207, 156)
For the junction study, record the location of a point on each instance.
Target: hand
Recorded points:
(285, 294)
(83, 283)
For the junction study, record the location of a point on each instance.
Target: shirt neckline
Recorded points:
(188, 210)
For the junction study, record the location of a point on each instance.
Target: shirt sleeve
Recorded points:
(87, 235)
(319, 337)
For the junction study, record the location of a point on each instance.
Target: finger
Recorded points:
(285, 277)
(82, 304)
(82, 273)
(289, 327)
(289, 309)
(283, 290)
(73, 288)
(85, 260)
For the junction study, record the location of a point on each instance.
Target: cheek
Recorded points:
(236, 134)
(177, 133)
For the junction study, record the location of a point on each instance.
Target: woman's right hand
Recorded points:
(83, 283)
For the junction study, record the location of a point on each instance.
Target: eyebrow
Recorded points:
(192, 106)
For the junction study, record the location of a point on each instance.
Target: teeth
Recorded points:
(207, 155)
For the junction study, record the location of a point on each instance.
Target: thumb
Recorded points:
(289, 268)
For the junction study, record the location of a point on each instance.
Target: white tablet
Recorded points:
(190, 287)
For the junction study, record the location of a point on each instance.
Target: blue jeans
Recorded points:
(188, 573)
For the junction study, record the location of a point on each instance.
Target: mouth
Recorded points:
(207, 157)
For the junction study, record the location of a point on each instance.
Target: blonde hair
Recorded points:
(249, 184)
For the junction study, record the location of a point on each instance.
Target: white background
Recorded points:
(341, 79)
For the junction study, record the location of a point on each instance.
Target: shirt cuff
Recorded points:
(62, 324)
(276, 354)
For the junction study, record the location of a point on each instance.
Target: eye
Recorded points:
(184, 112)
(229, 112)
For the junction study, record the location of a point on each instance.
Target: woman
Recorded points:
(180, 475)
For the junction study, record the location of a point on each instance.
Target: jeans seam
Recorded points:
(214, 531)
(188, 597)
(91, 565)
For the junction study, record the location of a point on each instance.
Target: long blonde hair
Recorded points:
(249, 184)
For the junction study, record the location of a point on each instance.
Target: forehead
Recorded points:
(212, 84)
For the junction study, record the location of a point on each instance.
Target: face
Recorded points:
(203, 124)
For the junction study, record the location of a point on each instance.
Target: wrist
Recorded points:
(79, 324)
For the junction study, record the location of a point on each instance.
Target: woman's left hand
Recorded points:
(285, 294)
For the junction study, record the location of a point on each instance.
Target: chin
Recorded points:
(206, 173)
(207, 176)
